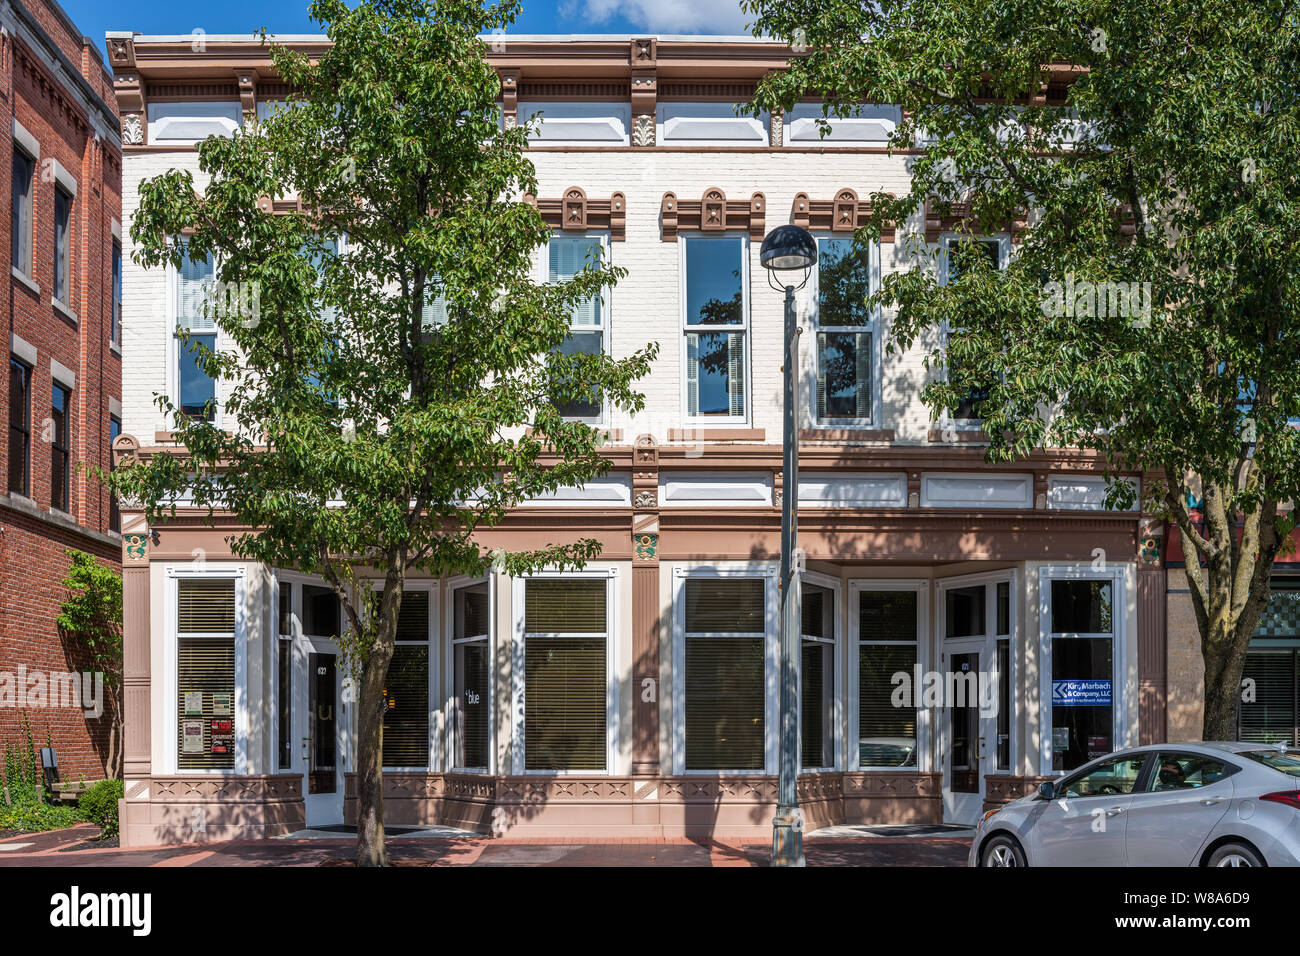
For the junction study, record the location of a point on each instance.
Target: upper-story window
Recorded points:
(968, 410)
(62, 245)
(115, 329)
(20, 427)
(588, 323)
(715, 320)
(846, 341)
(197, 389)
(60, 446)
(114, 513)
(21, 245)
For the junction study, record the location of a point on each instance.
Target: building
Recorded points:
(639, 696)
(63, 388)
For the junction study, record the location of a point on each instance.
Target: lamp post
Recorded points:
(789, 249)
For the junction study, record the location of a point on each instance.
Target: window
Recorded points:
(284, 680)
(845, 357)
(1118, 776)
(115, 329)
(716, 317)
(817, 678)
(1082, 636)
(471, 717)
(1269, 711)
(20, 427)
(114, 514)
(725, 698)
(888, 629)
(568, 256)
(991, 250)
(205, 685)
(196, 334)
(320, 611)
(1175, 771)
(964, 612)
(565, 649)
(21, 226)
(406, 722)
(62, 245)
(60, 457)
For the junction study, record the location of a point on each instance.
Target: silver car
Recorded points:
(1194, 804)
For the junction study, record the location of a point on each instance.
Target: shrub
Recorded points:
(34, 817)
(99, 805)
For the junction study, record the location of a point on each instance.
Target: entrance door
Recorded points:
(321, 754)
(967, 729)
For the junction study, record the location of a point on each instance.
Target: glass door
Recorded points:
(968, 729)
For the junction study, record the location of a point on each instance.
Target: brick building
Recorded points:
(63, 386)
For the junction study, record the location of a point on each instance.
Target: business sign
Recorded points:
(193, 702)
(222, 737)
(223, 705)
(1081, 693)
(192, 737)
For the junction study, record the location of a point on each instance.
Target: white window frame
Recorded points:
(168, 757)
(1003, 239)
(873, 327)
(744, 329)
(450, 742)
(989, 580)
(606, 297)
(1115, 575)
(174, 352)
(430, 641)
(518, 675)
(836, 587)
(924, 729)
(771, 664)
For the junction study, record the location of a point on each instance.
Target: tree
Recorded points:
(1148, 149)
(386, 400)
(91, 618)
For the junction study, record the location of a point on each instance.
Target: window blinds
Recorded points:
(564, 701)
(887, 734)
(725, 606)
(413, 618)
(724, 697)
(1272, 715)
(564, 606)
(568, 257)
(205, 694)
(406, 722)
(205, 606)
(192, 284)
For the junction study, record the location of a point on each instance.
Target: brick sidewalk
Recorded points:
(44, 850)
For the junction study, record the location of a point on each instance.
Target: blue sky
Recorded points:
(94, 17)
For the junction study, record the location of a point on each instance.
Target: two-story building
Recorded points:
(639, 696)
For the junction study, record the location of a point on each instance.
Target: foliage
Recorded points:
(91, 619)
(389, 399)
(27, 808)
(1162, 152)
(99, 806)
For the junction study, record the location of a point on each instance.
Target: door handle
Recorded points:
(1211, 801)
(980, 752)
(306, 749)
(1114, 811)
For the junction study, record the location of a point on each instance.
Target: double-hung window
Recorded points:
(406, 721)
(724, 657)
(968, 411)
(196, 338)
(60, 446)
(20, 427)
(888, 640)
(845, 341)
(205, 673)
(114, 513)
(589, 322)
(715, 322)
(471, 715)
(115, 328)
(21, 225)
(565, 648)
(62, 245)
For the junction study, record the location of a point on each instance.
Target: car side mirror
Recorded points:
(1046, 791)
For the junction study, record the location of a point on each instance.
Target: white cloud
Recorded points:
(661, 16)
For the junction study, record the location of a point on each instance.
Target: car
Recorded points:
(1180, 804)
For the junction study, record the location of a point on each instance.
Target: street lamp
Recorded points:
(787, 250)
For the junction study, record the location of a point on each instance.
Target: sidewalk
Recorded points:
(47, 849)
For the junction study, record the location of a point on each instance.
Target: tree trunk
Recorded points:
(372, 704)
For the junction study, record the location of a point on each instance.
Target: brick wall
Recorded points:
(54, 91)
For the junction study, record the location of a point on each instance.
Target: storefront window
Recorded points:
(887, 645)
(406, 721)
(471, 715)
(817, 673)
(1083, 669)
(1270, 694)
(205, 673)
(284, 683)
(725, 690)
(565, 647)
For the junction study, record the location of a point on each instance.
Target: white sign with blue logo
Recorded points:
(1081, 693)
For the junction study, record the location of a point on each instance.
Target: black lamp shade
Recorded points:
(788, 247)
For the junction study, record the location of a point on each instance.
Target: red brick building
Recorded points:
(62, 390)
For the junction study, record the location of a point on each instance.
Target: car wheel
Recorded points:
(1234, 854)
(1002, 851)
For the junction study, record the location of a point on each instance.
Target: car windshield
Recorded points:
(1288, 762)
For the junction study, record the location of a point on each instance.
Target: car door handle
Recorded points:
(1211, 801)
(1114, 811)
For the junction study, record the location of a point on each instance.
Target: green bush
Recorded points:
(99, 806)
(33, 817)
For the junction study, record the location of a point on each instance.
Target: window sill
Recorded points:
(115, 349)
(25, 279)
(693, 433)
(64, 311)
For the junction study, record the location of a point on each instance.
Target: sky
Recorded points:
(94, 17)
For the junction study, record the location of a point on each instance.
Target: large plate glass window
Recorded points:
(725, 690)
(887, 645)
(406, 721)
(716, 318)
(205, 673)
(196, 333)
(566, 643)
(567, 256)
(845, 351)
(1082, 615)
(1270, 696)
(817, 678)
(471, 716)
